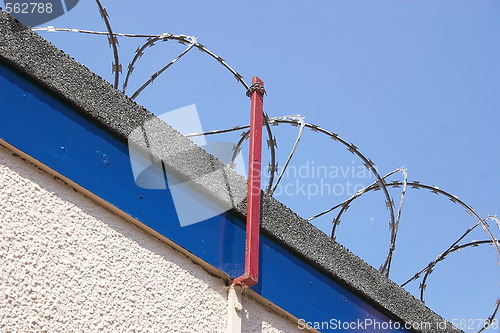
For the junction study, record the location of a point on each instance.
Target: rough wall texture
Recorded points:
(68, 264)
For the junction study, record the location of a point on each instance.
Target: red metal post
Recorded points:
(251, 275)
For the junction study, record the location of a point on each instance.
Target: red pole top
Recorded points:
(256, 79)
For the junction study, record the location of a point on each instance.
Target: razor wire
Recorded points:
(393, 224)
(183, 39)
(454, 248)
(113, 42)
(302, 124)
(377, 185)
(150, 42)
(380, 183)
(151, 39)
(297, 120)
(430, 268)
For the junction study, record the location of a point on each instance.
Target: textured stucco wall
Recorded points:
(68, 264)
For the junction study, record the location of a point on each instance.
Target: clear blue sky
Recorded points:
(411, 83)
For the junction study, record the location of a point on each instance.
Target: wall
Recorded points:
(68, 264)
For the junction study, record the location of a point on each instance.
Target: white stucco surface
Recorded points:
(69, 265)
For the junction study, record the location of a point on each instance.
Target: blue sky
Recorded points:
(411, 83)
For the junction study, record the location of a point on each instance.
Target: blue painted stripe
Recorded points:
(50, 131)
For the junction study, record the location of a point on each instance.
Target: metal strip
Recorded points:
(234, 309)
(251, 275)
